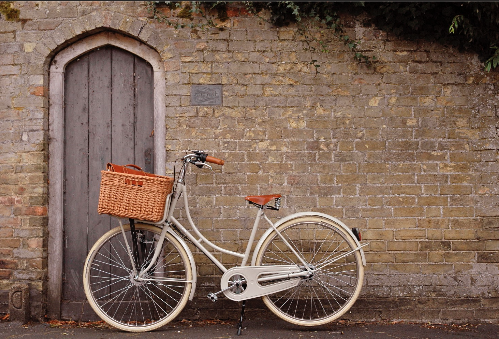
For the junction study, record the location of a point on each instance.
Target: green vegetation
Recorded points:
(467, 26)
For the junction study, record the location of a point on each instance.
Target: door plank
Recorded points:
(99, 136)
(144, 126)
(123, 107)
(76, 177)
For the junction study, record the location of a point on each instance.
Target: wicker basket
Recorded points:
(134, 196)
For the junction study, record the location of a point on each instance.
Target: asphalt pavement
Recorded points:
(257, 328)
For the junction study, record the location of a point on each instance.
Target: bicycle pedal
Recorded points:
(213, 297)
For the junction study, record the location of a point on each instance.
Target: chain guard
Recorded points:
(253, 288)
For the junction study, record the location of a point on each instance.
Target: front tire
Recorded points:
(132, 304)
(338, 272)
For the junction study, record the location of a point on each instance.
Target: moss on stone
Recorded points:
(10, 13)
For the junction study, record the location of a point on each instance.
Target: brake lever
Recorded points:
(202, 164)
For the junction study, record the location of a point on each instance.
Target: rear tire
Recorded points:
(338, 270)
(128, 303)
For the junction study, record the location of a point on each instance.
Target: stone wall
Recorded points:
(406, 150)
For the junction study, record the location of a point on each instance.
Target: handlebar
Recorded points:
(197, 157)
(214, 160)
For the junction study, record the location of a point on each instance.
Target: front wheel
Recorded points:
(130, 303)
(336, 270)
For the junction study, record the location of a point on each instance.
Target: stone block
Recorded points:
(19, 303)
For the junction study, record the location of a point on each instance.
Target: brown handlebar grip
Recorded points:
(214, 160)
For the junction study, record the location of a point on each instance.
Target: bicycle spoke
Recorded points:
(154, 301)
(125, 300)
(334, 265)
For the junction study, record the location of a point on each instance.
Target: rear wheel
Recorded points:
(336, 269)
(130, 303)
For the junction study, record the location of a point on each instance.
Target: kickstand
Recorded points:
(240, 324)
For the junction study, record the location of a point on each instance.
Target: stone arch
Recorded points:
(75, 29)
(56, 145)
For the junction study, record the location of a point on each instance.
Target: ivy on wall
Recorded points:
(468, 26)
(309, 17)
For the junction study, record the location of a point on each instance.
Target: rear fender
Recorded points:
(308, 214)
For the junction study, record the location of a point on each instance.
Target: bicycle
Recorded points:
(308, 267)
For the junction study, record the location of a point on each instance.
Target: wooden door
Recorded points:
(108, 117)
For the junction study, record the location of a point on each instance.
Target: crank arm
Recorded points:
(213, 296)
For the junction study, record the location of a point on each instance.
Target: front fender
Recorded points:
(192, 263)
(307, 214)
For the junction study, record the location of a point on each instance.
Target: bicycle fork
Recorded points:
(139, 269)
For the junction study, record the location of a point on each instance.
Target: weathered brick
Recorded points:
(378, 235)
(407, 211)
(488, 257)
(458, 212)
(401, 223)
(402, 246)
(435, 246)
(460, 257)
(459, 234)
(411, 257)
(10, 69)
(406, 190)
(410, 234)
(400, 201)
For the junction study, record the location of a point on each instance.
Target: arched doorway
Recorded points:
(104, 107)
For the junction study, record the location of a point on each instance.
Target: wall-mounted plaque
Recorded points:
(206, 95)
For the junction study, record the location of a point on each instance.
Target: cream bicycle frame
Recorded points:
(169, 219)
(198, 242)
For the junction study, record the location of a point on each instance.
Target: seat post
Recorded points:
(252, 236)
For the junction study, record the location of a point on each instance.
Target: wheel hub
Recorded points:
(135, 280)
(311, 273)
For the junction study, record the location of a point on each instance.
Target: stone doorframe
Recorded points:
(56, 143)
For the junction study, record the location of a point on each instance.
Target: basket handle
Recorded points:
(122, 169)
(135, 166)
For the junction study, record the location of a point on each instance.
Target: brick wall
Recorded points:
(407, 150)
